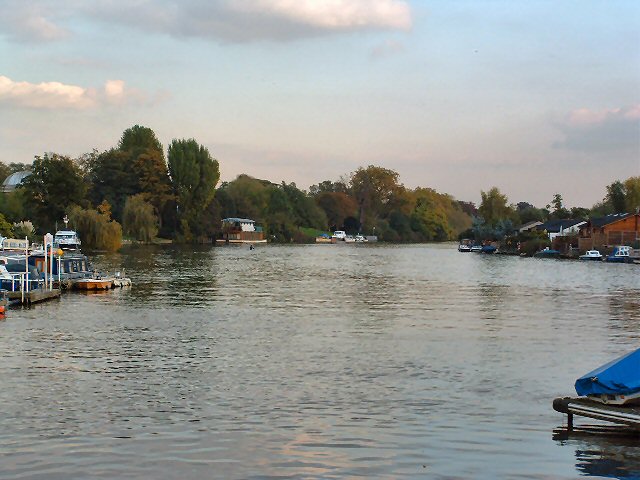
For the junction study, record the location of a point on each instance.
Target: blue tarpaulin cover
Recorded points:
(618, 377)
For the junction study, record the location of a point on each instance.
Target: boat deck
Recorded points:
(584, 407)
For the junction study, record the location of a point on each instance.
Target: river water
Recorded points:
(317, 361)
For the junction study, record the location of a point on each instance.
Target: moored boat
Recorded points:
(593, 255)
(93, 284)
(621, 254)
(614, 383)
(547, 253)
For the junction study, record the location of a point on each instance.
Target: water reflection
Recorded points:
(602, 451)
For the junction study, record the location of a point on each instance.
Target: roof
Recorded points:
(606, 220)
(529, 225)
(239, 220)
(12, 181)
(555, 226)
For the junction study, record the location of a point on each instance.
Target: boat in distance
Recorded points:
(593, 255)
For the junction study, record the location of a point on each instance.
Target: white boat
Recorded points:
(360, 238)
(591, 255)
(339, 235)
(66, 240)
(476, 248)
(349, 239)
(464, 247)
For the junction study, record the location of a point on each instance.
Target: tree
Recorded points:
(194, 175)
(337, 206)
(54, 186)
(139, 219)
(494, 206)
(632, 190)
(558, 211)
(616, 197)
(373, 188)
(6, 229)
(112, 178)
(96, 228)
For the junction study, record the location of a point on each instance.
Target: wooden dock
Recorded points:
(34, 296)
(585, 407)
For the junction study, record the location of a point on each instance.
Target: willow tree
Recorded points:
(139, 219)
(194, 175)
(96, 228)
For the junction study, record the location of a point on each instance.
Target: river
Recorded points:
(316, 361)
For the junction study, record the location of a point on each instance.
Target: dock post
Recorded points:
(570, 422)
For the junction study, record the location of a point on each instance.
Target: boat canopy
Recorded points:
(618, 377)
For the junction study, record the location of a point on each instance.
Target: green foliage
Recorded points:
(139, 219)
(632, 194)
(97, 230)
(194, 175)
(494, 207)
(616, 197)
(55, 185)
(12, 205)
(6, 229)
(112, 178)
(337, 206)
(373, 189)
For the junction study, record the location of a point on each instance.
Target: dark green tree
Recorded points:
(54, 186)
(616, 197)
(194, 175)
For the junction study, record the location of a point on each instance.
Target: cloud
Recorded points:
(336, 14)
(245, 20)
(31, 22)
(602, 131)
(56, 95)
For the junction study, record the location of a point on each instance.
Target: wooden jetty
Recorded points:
(585, 407)
(33, 296)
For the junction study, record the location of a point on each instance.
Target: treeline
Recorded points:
(370, 200)
(135, 190)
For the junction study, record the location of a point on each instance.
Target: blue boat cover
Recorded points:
(618, 377)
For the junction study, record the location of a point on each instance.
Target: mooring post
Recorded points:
(570, 422)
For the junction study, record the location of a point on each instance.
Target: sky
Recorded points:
(533, 97)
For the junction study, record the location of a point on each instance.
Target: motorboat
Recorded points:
(614, 383)
(464, 247)
(66, 240)
(621, 254)
(547, 253)
(476, 248)
(593, 255)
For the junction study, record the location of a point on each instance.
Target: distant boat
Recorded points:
(464, 247)
(488, 249)
(615, 383)
(591, 255)
(66, 240)
(476, 248)
(621, 254)
(547, 253)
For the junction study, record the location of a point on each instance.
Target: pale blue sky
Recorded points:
(534, 97)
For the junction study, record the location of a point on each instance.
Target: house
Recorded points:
(561, 228)
(604, 232)
(527, 227)
(241, 230)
